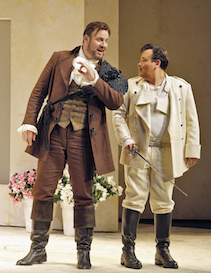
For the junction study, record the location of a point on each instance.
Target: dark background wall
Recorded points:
(182, 27)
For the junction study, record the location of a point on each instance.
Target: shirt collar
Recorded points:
(81, 54)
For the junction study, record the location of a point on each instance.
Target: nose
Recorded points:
(104, 44)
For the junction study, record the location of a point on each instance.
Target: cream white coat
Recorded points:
(132, 122)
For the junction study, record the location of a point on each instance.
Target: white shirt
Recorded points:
(159, 118)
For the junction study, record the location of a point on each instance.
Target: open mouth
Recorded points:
(100, 50)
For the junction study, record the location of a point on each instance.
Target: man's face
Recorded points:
(95, 46)
(146, 67)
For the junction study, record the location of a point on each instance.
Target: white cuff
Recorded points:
(27, 127)
(95, 79)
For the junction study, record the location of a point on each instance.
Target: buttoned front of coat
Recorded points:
(132, 122)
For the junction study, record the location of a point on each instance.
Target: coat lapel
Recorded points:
(66, 68)
(143, 104)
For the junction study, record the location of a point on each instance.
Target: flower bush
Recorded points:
(102, 188)
(21, 185)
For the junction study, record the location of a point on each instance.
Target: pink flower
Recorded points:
(21, 184)
(13, 178)
(26, 194)
(16, 188)
(15, 201)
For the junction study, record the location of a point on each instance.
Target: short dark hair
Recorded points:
(159, 53)
(96, 25)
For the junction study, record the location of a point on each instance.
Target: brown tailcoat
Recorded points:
(53, 83)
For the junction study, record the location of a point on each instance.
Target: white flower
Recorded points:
(104, 195)
(68, 187)
(66, 194)
(66, 173)
(59, 186)
(120, 190)
(98, 176)
(110, 180)
(99, 187)
(113, 189)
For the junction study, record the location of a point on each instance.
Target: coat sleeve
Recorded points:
(192, 146)
(38, 94)
(111, 98)
(119, 118)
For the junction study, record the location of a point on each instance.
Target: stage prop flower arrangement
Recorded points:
(21, 185)
(102, 189)
(20, 190)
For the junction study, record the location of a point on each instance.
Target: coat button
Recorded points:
(92, 116)
(59, 106)
(55, 120)
(180, 86)
(93, 130)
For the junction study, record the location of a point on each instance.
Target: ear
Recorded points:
(157, 63)
(86, 38)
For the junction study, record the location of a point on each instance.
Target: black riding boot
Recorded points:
(84, 221)
(130, 219)
(162, 229)
(83, 238)
(42, 213)
(39, 237)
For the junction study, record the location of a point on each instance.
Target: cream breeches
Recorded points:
(141, 184)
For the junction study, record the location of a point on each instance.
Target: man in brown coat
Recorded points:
(73, 130)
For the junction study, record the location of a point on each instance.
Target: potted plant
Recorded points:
(21, 185)
(20, 190)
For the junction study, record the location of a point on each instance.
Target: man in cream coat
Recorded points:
(159, 117)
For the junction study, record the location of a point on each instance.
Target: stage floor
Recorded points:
(190, 247)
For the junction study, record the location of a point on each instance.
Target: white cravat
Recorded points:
(79, 78)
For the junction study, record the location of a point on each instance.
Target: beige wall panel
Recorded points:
(106, 11)
(38, 29)
(183, 28)
(5, 8)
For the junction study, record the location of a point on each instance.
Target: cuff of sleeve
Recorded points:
(128, 142)
(95, 79)
(192, 150)
(27, 127)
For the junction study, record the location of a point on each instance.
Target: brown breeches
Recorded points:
(73, 148)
